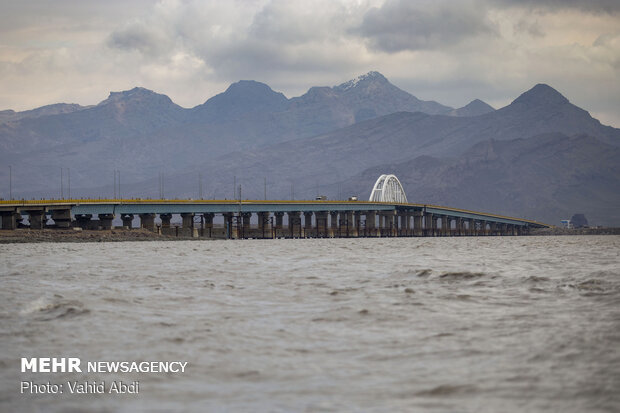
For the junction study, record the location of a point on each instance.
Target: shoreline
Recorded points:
(25, 235)
(576, 231)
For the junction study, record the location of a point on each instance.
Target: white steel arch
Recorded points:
(388, 189)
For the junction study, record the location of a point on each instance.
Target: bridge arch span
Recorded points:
(388, 189)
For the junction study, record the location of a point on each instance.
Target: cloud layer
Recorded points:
(444, 50)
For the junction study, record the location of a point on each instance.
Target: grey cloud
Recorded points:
(403, 25)
(277, 39)
(591, 6)
(533, 28)
(139, 37)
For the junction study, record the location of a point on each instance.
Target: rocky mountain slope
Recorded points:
(142, 132)
(548, 177)
(540, 157)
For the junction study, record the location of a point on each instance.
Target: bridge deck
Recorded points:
(179, 206)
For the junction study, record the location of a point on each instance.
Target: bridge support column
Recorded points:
(188, 220)
(333, 224)
(279, 220)
(37, 218)
(165, 220)
(245, 225)
(187, 225)
(294, 224)
(321, 224)
(208, 219)
(383, 229)
(357, 219)
(370, 229)
(418, 230)
(346, 224)
(427, 224)
(308, 232)
(264, 228)
(471, 227)
(434, 226)
(492, 228)
(105, 220)
(127, 220)
(147, 221)
(230, 231)
(391, 227)
(446, 225)
(10, 219)
(483, 228)
(406, 224)
(83, 221)
(62, 217)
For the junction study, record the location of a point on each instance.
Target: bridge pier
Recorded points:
(105, 220)
(400, 224)
(357, 220)
(407, 226)
(147, 221)
(370, 229)
(294, 224)
(245, 225)
(37, 218)
(264, 228)
(435, 226)
(321, 224)
(10, 219)
(383, 224)
(165, 220)
(127, 220)
(471, 227)
(208, 224)
(279, 224)
(333, 224)
(445, 226)
(418, 228)
(229, 228)
(308, 229)
(62, 217)
(391, 227)
(347, 225)
(83, 221)
(187, 220)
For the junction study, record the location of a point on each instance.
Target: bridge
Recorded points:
(386, 214)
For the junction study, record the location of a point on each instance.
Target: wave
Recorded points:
(57, 307)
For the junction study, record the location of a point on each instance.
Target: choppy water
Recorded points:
(435, 325)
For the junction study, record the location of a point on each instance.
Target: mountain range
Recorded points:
(545, 158)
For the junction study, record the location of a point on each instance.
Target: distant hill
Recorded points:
(474, 108)
(331, 140)
(547, 177)
(142, 132)
(520, 172)
(55, 109)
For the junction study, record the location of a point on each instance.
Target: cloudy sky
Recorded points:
(446, 50)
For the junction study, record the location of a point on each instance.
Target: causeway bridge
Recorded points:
(386, 214)
(262, 219)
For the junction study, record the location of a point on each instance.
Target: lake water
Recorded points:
(488, 324)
